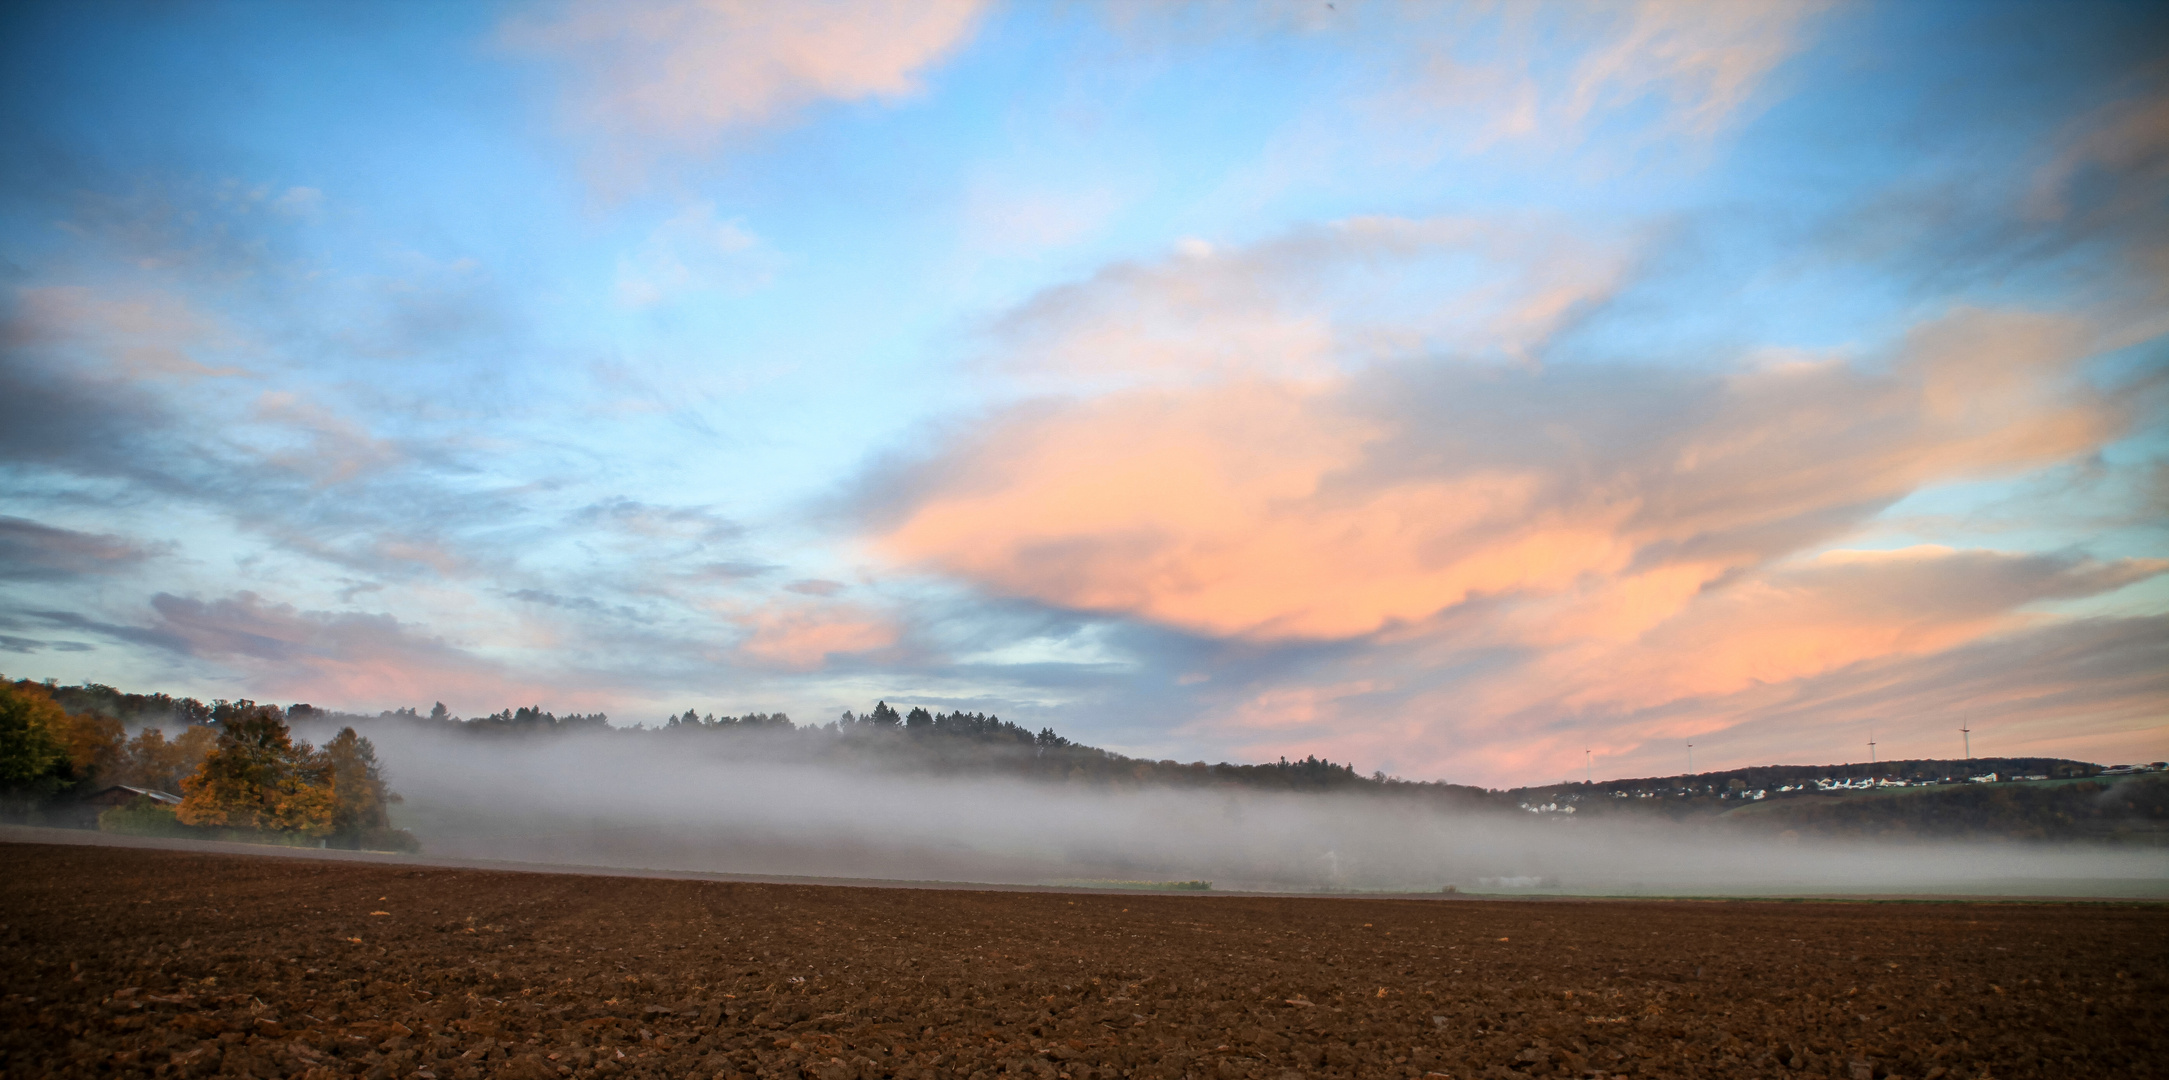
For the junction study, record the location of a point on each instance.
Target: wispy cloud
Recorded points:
(1315, 302)
(146, 335)
(223, 231)
(356, 656)
(686, 524)
(35, 551)
(1594, 84)
(1704, 60)
(66, 396)
(683, 72)
(689, 253)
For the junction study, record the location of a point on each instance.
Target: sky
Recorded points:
(1492, 393)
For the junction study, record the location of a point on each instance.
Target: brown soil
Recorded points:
(139, 962)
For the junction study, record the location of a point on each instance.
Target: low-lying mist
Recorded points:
(602, 799)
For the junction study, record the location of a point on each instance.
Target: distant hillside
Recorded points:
(2130, 809)
(922, 740)
(2012, 798)
(1692, 794)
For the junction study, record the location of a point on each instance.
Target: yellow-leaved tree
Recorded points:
(257, 777)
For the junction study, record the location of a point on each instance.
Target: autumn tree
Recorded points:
(33, 757)
(95, 744)
(45, 749)
(150, 760)
(258, 777)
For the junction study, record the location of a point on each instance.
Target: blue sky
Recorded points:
(1447, 388)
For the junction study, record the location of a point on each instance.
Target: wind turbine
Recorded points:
(1589, 764)
(1968, 733)
(1690, 759)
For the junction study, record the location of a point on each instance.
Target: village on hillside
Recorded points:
(1731, 787)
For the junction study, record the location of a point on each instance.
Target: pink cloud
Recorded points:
(803, 636)
(681, 72)
(343, 659)
(335, 449)
(149, 334)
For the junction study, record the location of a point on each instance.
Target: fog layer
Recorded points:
(604, 799)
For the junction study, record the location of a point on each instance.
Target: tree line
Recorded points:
(236, 766)
(929, 740)
(914, 738)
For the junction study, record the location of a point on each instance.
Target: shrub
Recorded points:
(144, 817)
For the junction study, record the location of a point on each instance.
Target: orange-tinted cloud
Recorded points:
(1827, 613)
(803, 636)
(2028, 686)
(1514, 546)
(1298, 509)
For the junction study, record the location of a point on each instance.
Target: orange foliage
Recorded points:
(258, 777)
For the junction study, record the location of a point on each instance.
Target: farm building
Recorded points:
(83, 813)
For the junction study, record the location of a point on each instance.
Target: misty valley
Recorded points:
(916, 795)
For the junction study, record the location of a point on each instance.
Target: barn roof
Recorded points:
(153, 794)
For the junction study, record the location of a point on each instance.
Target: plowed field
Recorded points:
(126, 962)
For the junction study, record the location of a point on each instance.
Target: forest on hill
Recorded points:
(242, 769)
